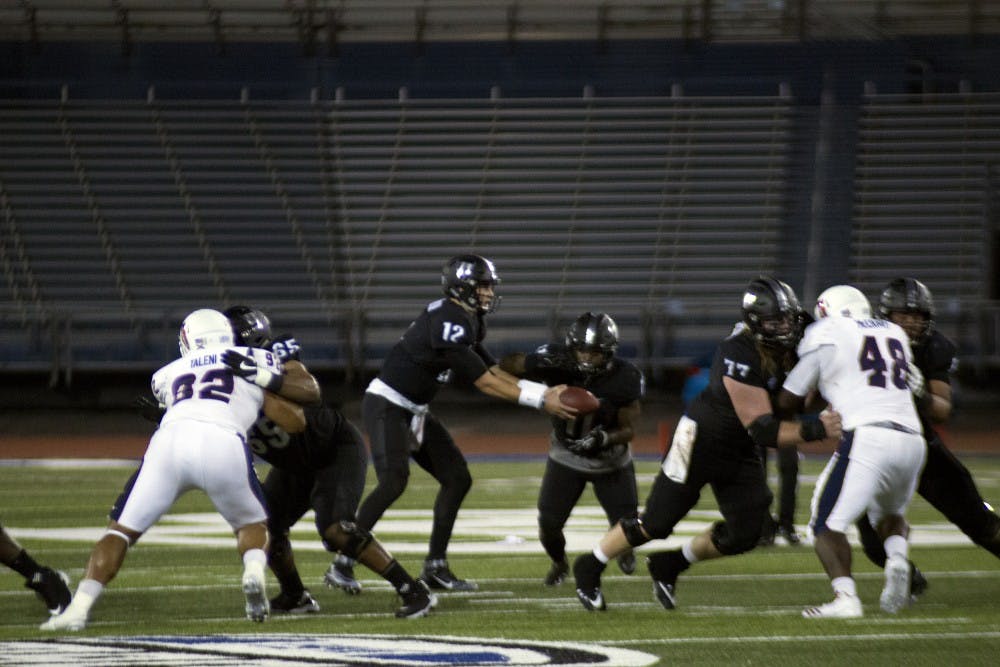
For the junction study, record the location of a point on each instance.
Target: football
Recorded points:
(579, 398)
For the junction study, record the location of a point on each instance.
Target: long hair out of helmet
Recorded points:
(767, 301)
(252, 326)
(842, 301)
(908, 295)
(202, 329)
(463, 275)
(593, 332)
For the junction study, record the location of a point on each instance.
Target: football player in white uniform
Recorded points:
(860, 366)
(201, 444)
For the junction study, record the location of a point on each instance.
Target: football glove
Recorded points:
(589, 444)
(247, 368)
(554, 360)
(915, 381)
(149, 409)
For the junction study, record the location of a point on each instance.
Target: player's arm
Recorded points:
(753, 409)
(625, 431)
(524, 392)
(514, 364)
(300, 385)
(937, 404)
(283, 412)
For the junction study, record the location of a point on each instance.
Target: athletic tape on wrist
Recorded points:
(532, 394)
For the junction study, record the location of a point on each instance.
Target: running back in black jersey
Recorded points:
(298, 452)
(737, 358)
(444, 337)
(619, 386)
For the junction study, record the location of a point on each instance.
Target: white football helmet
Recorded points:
(843, 301)
(204, 328)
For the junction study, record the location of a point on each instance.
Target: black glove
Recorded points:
(590, 444)
(247, 368)
(149, 409)
(554, 360)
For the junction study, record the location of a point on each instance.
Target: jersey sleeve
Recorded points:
(941, 359)
(805, 376)
(816, 335)
(740, 361)
(286, 348)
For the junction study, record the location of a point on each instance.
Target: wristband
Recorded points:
(532, 394)
(268, 380)
(812, 430)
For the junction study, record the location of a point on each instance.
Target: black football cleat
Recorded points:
(297, 603)
(626, 562)
(587, 573)
(664, 567)
(437, 575)
(918, 583)
(592, 600)
(786, 531)
(557, 573)
(52, 587)
(417, 600)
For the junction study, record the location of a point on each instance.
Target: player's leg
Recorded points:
(360, 545)
(788, 473)
(560, 491)
(51, 586)
(349, 467)
(949, 487)
(227, 476)
(618, 496)
(389, 437)
(287, 496)
(440, 457)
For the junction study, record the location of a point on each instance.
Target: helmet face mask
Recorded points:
(203, 329)
(592, 340)
(471, 280)
(772, 312)
(908, 303)
(252, 327)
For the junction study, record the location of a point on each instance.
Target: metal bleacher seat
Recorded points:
(926, 169)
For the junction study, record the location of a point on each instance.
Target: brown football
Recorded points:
(579, 398)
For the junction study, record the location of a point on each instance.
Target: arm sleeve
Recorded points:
(484, 354)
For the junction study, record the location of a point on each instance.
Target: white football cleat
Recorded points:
(842, 606)
(896, 593)
(258, 606)
(72, 620)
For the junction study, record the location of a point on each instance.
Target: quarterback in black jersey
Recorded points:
(445, 340)
(945, 482)
(592, 448)
(321, 467)
(715, 443)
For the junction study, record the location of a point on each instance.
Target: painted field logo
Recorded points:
(347, 650)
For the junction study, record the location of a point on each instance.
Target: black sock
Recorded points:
(25, 565)
(397, 576)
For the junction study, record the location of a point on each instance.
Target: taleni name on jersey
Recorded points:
(205, 360)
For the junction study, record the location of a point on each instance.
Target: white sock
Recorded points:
(255, 556)
(896, 545)
(688, 552)
(844, 585)
(599, 555)
(87, 592)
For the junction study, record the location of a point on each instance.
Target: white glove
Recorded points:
(247, 368)
(915, 381)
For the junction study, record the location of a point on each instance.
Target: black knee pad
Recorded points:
(632, 527)
(349, 539)
(730, 542)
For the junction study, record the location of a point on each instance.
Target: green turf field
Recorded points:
(183, 579)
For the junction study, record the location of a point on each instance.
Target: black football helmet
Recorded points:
(252, 327)
(593, 332)
(772, 312)
(908, 295)
(464, 274)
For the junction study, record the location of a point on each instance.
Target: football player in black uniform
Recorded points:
(593, 448)
(446, 339)
(51, 586)
(322, 467)
(715, 443)
(945, 482)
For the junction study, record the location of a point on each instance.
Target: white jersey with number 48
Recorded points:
(862, 370)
